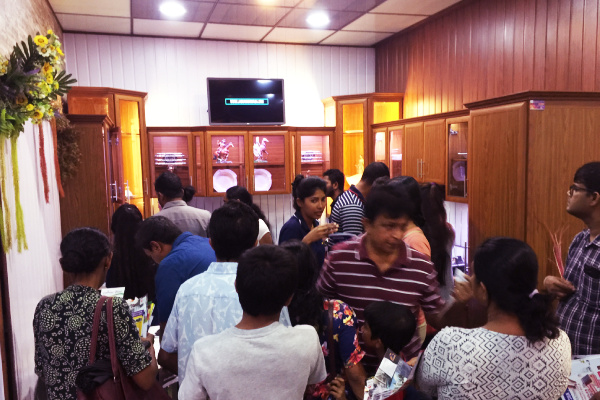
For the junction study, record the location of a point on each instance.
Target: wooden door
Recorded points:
(227, 155)
(413, 150)
(115, 154)
(497, 173)
(395, 136)
(562, 137)
(313, 151)
(433, 167)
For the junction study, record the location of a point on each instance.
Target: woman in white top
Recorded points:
(520, 353)
(241, 194)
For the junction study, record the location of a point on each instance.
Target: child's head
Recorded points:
(388, 326)
(266, 280)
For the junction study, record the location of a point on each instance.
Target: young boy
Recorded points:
(258, 358)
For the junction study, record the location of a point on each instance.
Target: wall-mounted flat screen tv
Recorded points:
(245, 101)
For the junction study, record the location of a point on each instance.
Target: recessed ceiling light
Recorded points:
(172, 9)
(318, 19)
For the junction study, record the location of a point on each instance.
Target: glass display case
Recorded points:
(313, 154)
(270, 168)
(380, 136)
(353, 147)
(170, 152)
(458, 129)
(395, 135)
(227, 154)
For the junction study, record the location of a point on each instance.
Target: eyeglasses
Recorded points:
(575, 188)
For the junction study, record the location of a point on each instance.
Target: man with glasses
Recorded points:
(579, 291)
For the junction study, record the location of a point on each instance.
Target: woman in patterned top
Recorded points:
(308, 307)
(520, 353)
(63, 321)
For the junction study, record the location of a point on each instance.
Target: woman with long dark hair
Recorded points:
(309, 202)
(240, 193)
(130, 267)
(63, 321)
(308, 307)
(520, 353)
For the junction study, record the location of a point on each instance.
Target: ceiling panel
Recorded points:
(235, 32)
(347, 38)
(424, 7)
(93, 23)
(383, 22)
(247, 15)
(153, 27)
(293, 35)
(341, 5)
(110, 8)
(269, 3)
(338, 19)
(196, 11)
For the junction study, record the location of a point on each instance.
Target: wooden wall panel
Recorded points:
(553, 158)
(490, 48)
(497, 164)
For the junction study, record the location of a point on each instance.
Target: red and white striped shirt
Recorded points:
(349, 275)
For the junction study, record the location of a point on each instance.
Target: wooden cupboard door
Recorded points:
(413, 150)
(116, 168)
(434, 152)
(497, 173)
(562, 138)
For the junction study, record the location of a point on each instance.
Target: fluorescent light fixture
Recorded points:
(318, 19)
(172, 9)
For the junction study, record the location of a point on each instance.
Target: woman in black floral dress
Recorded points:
(63, 321)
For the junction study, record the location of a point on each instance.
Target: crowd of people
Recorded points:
(312, 317)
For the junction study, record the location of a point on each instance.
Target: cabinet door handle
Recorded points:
(114, 194)
(422, 169)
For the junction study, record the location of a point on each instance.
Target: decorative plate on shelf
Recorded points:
(262, 180)
(459, 171)
(223, 179)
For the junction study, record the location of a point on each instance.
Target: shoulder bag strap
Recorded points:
(111, 339)
(330, 341)
(95, 328)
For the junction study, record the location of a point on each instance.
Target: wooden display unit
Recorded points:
(457, 167)
(270, 162)
(313, 150)
(521, 163)
(127, 109)
(354, 139)
(230, 169)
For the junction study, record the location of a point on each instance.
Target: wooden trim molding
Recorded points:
(424, 118)
(533, 95)
(90, 90)
(90, 118)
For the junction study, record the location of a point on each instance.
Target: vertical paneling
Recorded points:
(490, 48)
(173, 72)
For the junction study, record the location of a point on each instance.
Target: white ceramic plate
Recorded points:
(223, 179)
(262, 180)
(459, 171)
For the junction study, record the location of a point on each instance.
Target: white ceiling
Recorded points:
(352, 22)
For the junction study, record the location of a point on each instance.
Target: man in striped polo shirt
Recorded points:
(379, 266)
(349, 208)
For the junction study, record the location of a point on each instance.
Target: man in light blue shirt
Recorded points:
(208, 303)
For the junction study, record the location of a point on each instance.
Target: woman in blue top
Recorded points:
(309, 202)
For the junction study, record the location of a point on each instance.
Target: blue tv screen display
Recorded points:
(245, 101)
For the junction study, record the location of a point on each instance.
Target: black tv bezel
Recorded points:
(210, 122)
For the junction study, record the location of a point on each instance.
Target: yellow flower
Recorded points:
(49, 79)
(29, 107)
(37, 114)
(50, 32)
(45, 51)
(2, 71)
(55, 85)
(21, 100)
(40, 40)
(59, 51)
(47, 68)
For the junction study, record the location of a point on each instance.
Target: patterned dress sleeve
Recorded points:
(345, 334)
(130, 350)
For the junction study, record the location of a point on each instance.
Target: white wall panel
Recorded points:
(43, 231)
(458, 217)
(174, 72)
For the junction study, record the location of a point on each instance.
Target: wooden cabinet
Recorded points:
(353, 115)
(126, 108)
(270, 163)
(425, 151)
(171, 150)
(456, 179)
(522, 159)
(97, 189)
(312, 150)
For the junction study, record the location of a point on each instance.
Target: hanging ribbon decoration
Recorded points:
(43, 164)
(5, 224)
(21, 241)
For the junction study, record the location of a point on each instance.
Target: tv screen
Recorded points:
(245, 101)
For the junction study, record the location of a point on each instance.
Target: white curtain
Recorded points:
(32, 273)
